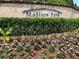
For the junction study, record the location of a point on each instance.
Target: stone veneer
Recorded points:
(16, 10)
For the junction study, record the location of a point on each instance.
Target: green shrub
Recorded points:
(58, 2)
(37, 26)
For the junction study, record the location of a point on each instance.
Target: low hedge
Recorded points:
(37, 26)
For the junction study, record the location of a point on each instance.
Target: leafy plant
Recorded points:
(51, 49)
(6, 33)
(51, 57)
(61, 54)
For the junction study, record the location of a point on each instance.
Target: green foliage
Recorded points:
(61, 54)
(52, 49)
(6, 33)
(37, 26)
(59, 2)
(51, 57)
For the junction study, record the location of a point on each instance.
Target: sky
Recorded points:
(77, 2)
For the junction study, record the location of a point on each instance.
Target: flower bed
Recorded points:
(45, 48)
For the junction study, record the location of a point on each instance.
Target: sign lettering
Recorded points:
(42, 13)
